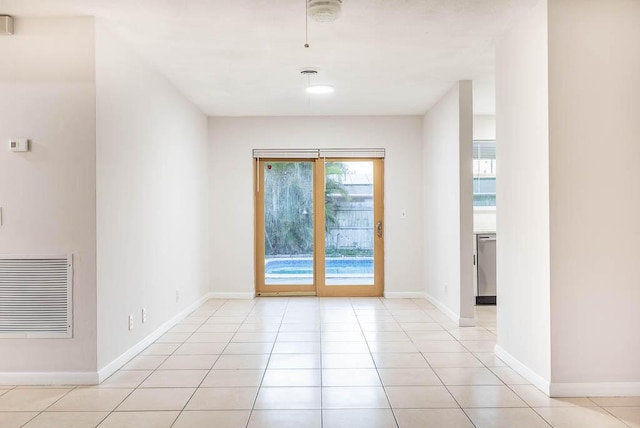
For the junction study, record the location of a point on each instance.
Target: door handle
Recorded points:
(379, 229)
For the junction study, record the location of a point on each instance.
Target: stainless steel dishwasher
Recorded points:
(486, 269)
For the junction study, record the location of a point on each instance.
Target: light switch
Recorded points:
(403, 214)
(19, 145)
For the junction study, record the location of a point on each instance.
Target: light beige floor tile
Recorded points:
(253, 348)
(156, 399)
(583, 417)
(91, 400)
(386, 336)
(628, 415)
(201, 349)
(509, 376)
(67, 420)
(173, 337)
(409, 377)
(616, 401)
(212, 419)
(285, 419)
(344, 348)
(424, 336)
(258, 327)
(218, 328)
(381, 326)
(189, 362)
(139, 420)
(489, 359)
(347, 361)
(485, 396)
(225, 320)
(288, 398)
(347, 397)
(254, 337)
(296, 348)
(27, 400)
(291, 377)
(430, 346)
(352, 326)
(452, 359)
(535, 398)
(222, 399)
(392, 347)
(400, 360)
(192, 319)
(125, 379)
(479, 345)
(420, 326)
(432, 418)
(342, 336)
(298, 337)
(210, 338)
(160, 349)
(300, 327)
(174, 379)
(467, 376)
(183, 328)
(240, 378)
(232, 362)
(473, 335)
(145, 362)
(15, 419)
(420, 397)
(506, 418)
(350, 377)
(297, 361)
(358, 418)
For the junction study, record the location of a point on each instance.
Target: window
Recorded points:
(484, 173)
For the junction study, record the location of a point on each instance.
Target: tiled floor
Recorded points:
(309, 362)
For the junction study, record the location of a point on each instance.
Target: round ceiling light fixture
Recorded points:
(324, 10)
(320, 89)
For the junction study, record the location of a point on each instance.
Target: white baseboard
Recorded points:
(538, 381)
(460, 321)
(224, 295)
(405, 295)
(120, 361)
(49, 378)
(596, 389)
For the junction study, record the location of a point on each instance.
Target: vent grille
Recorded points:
(35, 297)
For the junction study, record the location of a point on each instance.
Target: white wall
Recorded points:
(484, 218)
(594, 103)
(151, 198)
(523, 281)
(48, 194)
(484, 127)
(232, 207)
(448, 208)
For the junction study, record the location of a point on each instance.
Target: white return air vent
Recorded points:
(35, 297)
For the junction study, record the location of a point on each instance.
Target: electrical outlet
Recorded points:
(177, 295)
(446, 290)
(403, 214)
(144, 315)
(130, 322)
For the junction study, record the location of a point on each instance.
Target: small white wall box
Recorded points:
(19, 145)
(6, 25)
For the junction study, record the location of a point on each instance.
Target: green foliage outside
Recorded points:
(288, 196)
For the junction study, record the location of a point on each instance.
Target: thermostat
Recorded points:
(19, 145)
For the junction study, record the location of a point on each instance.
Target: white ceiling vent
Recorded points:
(35, 297)
(324, 10)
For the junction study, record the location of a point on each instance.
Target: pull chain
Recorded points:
(306, 23)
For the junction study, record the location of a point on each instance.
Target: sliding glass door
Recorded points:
(319, 227)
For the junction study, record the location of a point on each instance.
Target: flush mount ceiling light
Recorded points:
(320, 89)
(324, 10)
(316, 88)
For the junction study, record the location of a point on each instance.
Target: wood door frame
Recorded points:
(377, 289)
(318, 287)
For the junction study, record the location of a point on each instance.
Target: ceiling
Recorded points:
(244, 57)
